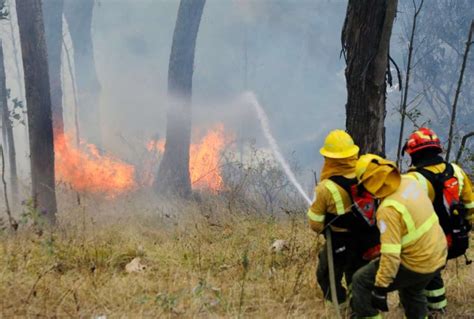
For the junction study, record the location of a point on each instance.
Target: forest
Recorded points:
(158, 157)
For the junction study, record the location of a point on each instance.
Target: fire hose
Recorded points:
(332, 276)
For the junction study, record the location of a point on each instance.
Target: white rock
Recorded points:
(135, 265)
(279, 245)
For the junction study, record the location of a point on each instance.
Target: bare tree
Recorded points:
(436, 61)
(53, 24)
(7, 129)
(38, 99)
(366, 41)
(403, 106)
(458, 89)
(173, 174)
(463, 145)
(79, 19)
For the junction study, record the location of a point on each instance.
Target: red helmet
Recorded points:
(422, 138)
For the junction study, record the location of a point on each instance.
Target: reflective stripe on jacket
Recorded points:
(330, 198)
(410, 233)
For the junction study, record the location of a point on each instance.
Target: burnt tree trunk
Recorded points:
(79, 19)
(173, 174)
(366, 41)
(38, 100)
(7, 129)
(53, 25)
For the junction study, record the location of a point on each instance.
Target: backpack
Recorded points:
(449, 208)
(361, 220)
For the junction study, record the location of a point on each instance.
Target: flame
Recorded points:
(86, 170)
(204, 159)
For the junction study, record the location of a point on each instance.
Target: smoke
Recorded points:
(287, 54)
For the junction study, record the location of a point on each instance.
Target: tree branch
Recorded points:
(403, 106)
(399, 75)
(463, 145)
(458, 90)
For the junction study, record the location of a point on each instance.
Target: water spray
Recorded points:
(262, 117)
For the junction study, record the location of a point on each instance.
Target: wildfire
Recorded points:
(204, 160)
(86, 170)
(205, 155)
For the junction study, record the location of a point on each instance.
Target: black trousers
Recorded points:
(409, 284)
(346, 262)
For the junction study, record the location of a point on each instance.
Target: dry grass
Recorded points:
(196, 268)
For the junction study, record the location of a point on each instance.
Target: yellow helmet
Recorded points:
(339, 144)
(378, 175)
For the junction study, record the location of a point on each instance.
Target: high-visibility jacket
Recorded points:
(330, 199)
(466, 194)
(410, 233)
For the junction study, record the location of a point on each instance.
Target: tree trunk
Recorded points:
(366, 41)
(79, 19)
(53, 25)
(15, 54)
(38, 100)
(173, 174)
(7, 128)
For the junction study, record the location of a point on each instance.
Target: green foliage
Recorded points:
(3, 10)
(167, 301)
(30, 214)
(17, 111)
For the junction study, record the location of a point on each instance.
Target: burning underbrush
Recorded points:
(251, 181)
(86, 170)
(205, 159)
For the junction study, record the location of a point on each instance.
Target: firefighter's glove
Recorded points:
(379, 299)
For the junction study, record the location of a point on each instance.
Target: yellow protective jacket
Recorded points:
(465, 186)
(330, 199)
(410, 233)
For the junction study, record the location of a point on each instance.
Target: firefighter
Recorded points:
(450, 190)
(413, 246)
(333, 208)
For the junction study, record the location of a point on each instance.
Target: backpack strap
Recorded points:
(434, 177)
(345, 183)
